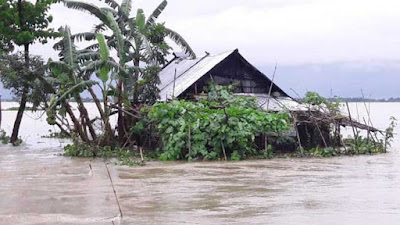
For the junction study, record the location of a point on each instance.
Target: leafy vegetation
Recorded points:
(59, 135)
(80, 149)
(125, 81)
(16, 109)
(217, 126)
(220, 127)
(4, 138)
(23, 23)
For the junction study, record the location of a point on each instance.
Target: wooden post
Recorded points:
(298, 135)
(265, 143)
(351, 121)
(173, 87)
(270, 87)
(368, 109)
(368, 132)
(189, 145)
(322, 135)
(223, 150)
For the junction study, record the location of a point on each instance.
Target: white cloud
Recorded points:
(289, 31)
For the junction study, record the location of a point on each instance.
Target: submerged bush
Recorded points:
(81, 149)
(4, 138)
(221, 126)
(323, 152)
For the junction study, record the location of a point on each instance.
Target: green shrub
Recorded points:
(204, 129)
(80, 149)
(323, 152)
(235, 156)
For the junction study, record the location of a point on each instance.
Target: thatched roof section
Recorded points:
(323, 117)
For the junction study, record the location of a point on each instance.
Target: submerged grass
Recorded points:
(124, 156)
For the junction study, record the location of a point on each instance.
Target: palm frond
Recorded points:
(92, 47)
(87, 7)
(126, 6)
(60, 66)
(148, 51)
(87, 56)
(140, 20)
(68, 48)
(87, 36)
(179, 40)
(106, 10)
(104, 51)
(100, 27)
(58, 45)
(77, 86)
(114, 67)
(117, 10)
(118, 35)
(113, 4)
(156, 13)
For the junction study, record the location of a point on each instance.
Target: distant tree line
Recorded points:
(358, 99)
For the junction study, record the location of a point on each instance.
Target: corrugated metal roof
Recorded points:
(277, 104)
(188, 71)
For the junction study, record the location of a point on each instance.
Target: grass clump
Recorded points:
(124, 156)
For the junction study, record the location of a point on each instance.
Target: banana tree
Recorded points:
(70, 85)
(139, 42)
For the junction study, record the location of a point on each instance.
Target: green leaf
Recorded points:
(156, 13)
(104, 51)
(104, 71)
(141, 21)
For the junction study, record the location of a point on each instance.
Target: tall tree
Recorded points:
(22, 81)
(23, 23)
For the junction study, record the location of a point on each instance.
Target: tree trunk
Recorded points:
(104, 113)
(121, 120)
(17, 122)
(22, 104)
(77, 126)
(136, 84)
(85, 116)
(26, 55)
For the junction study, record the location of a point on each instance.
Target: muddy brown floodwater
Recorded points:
(38, 186)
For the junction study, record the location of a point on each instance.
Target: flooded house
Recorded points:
(186, 78)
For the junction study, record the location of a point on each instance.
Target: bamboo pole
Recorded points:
(115, 193)
(351, 121)
(367, 131)
(368, 109)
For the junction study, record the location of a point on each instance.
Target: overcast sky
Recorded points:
(343, 45)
